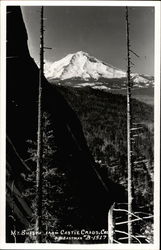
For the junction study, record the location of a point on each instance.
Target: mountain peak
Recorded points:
(88, 70)
(82, 65)
(80, 52)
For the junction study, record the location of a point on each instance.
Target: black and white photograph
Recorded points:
(80, 126)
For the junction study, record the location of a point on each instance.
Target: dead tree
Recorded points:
(129, 137)
(38, 226)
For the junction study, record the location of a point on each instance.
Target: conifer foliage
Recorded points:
(54, 186)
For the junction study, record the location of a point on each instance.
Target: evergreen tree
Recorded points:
(54, 186)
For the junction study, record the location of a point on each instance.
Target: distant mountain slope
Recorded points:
(80, 69)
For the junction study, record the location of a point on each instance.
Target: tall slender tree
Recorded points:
(129, 139)
(40, 137)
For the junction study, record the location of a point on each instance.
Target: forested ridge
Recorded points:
(103, 117)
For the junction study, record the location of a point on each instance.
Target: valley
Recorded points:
(145, 95)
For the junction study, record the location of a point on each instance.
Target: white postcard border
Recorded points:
(154, 246)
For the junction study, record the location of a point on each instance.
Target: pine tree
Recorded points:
(53, 185)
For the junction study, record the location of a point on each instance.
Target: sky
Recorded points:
(99, 31)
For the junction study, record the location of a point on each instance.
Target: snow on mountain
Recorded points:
(81, 69)
(82, 65)
(142, 80)
(136, 78)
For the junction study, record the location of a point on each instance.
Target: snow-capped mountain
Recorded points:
(84, 69)
(142, 80)
(83, 66)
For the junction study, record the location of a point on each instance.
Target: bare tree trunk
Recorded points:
(39, 142)
(129, 145)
